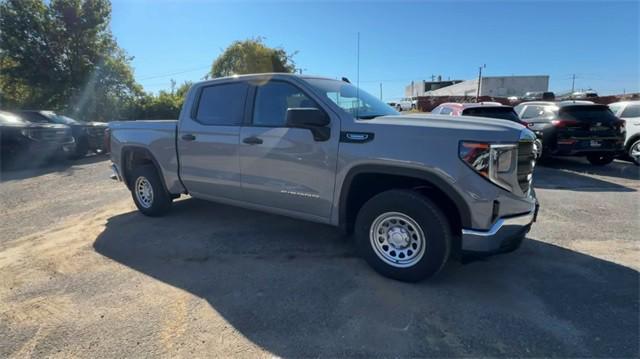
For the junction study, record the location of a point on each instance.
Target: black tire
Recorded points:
(431, 221)
(600, 159)
(399, 108)
(82, 147)
(159, 202)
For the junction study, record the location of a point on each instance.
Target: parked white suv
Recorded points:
(630, 112)
(405, 104)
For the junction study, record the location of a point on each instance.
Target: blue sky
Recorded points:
(399, 41)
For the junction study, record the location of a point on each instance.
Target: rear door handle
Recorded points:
(252, 140)
(188, 137)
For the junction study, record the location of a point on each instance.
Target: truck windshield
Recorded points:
(61, 119)
(357, 103)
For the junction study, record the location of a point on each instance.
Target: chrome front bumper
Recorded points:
(502, 233)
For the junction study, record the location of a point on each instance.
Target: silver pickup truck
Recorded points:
(414, 189)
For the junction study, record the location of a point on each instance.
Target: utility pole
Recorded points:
(573, 83)
(381, 91)
(479, 81)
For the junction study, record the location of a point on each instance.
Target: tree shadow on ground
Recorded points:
(33, 168)
(297, 289)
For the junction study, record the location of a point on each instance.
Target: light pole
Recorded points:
(479, 81)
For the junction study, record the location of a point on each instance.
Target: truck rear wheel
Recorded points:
(403, 235)
(148, 193)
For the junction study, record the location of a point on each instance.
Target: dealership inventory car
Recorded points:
(479, 109)
(415, 189)
(573, 128)
(485, 109)
(27, 142)
(404, 104)
(89, 136)
(629, 111)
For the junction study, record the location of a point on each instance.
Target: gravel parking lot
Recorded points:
(84, 274)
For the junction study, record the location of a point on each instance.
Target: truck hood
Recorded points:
(467, 123)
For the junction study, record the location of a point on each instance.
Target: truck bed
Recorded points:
(156, 136)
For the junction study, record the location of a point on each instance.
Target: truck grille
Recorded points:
(526, 162)
(51, 135)
(96, 131)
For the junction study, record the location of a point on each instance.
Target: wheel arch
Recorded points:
(635, 137)
(430, 184)
(131, 156)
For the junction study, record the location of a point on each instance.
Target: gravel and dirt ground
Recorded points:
(84, 274)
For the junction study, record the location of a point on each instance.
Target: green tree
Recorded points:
(61, 55)
(252, 56)
(164, 105)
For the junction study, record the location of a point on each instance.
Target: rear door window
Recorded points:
(222, 105)
(631, 111)
(531, 112)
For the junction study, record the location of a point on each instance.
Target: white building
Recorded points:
(494, 86)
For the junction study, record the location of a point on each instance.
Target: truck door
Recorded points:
(208, 141)
(286, 168)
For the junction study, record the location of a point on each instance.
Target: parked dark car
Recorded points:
(32, 142)
(89, 136)
(574, 128)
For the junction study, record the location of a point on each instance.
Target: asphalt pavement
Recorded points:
(84, 274)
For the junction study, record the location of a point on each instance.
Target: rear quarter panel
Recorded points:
(158, 137)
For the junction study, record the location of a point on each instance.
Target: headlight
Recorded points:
(496, 162)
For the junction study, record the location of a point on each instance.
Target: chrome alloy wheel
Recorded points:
(634, 152)
(397, 239)
(144, 192)
(537, 148)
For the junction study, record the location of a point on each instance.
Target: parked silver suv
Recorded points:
(415, 189)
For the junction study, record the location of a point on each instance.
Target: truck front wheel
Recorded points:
(147, 191)
(403, 235)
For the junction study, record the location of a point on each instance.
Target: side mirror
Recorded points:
(313, 119)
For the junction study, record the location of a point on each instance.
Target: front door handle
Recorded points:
(252, 140)
(188, 137)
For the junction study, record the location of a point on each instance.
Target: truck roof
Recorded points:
(266, 75)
